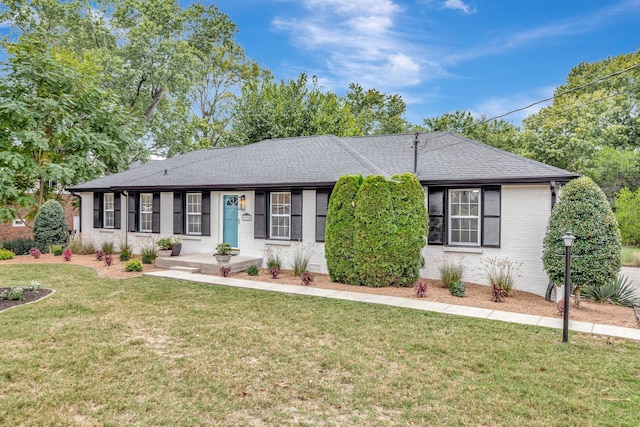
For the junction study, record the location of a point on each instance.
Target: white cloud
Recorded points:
(459, 5)
(359, 40)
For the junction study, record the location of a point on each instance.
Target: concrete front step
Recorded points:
(185, 269)
(206, 263)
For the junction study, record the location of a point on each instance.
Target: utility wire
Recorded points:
(591, 83)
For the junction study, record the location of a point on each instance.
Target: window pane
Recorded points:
(280, 215)
(464, 217)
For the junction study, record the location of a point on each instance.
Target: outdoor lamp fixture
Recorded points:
(243, 203)
(568, 239)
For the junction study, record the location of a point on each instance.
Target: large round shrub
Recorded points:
(583, 209)
(50, 227)
(338, 245)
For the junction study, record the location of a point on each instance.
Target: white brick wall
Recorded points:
(524, 214)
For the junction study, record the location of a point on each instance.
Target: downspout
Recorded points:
(126, 220)
(550, 286)
(74, 194)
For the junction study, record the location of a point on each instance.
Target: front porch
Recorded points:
(206, 263)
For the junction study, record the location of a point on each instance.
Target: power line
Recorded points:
(591, 83)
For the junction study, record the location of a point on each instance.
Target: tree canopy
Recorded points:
(58, 126)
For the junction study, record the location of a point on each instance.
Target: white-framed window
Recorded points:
(146, 212)
(194, 213)
(464, 217)
(280, 216)
(109, 212)
(19, 223)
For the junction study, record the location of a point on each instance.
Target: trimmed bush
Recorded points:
(252, 270)
(583, 209)
(133, 265)
(411, 221)
(49, 227)
(6, 254)
(457, 289)
(374, 231)
(339, 234)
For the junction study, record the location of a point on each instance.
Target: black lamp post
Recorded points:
(568, 239)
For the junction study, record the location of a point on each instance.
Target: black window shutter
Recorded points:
(117, 217)
(436, 216)
(97, 210)
(132, 211)
(155, 215)
(178, 213)
(205, 215)
(260, 215)
(322, 205)
(296, 215)
(491, 216)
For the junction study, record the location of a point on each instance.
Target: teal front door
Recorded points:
(230, 220)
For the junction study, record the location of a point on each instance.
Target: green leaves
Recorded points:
(376, 230)
(583, 209)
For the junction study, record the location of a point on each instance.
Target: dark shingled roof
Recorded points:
(443, 158)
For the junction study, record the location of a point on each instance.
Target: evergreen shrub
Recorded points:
(50, 227)
(628, 214)
(339, 234)
(583, 210)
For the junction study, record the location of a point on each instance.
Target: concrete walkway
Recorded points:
(482, 313)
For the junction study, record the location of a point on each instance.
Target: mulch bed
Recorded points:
(29, 296)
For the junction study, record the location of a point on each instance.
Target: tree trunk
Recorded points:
(576, 292)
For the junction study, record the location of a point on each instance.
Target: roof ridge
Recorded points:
(509, 153)
(365, 161)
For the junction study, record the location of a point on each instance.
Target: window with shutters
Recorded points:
(194, 213)
(109, 210)
(280, 215)
(464, 216)
(146, 212)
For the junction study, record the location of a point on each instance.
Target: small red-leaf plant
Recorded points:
(498, 294)
(35, 252)
(67, 254)
(306, 278)
(274, 271)
(225, 271)
(99, 255)
(420, 289)
(560, 308)
(108, 260)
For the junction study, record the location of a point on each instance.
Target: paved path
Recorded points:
(632, 273)
(483, 313)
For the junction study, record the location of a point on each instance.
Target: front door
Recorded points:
(230, 220)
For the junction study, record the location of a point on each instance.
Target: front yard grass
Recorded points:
(149, 351)
(631, 255)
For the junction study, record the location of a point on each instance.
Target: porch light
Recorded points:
(568, 239)
(243, 203)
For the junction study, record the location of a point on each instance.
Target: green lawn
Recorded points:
(628, 255)
(160, 352)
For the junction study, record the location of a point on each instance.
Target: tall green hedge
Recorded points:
(411, 219)
(376, 230)
(583, 209)
(50, 227)
(339, 229)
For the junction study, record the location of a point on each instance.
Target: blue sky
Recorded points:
(485, 56)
